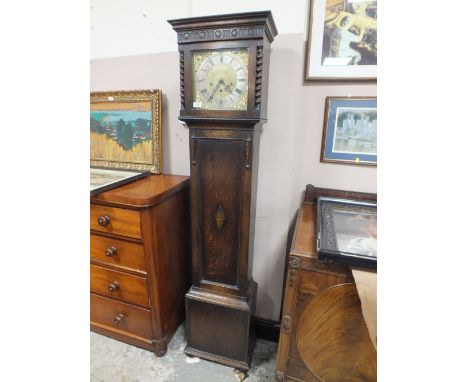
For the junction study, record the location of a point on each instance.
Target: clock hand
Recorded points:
(217, 87)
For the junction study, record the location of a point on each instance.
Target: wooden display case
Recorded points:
(323, 335)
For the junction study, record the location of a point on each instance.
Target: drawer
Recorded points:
(117, 252)
(121, 316)
(119, 285)
(115, 220)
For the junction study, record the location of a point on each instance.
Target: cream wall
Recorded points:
(291, 139)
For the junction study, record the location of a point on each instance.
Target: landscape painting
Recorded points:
(123, 132)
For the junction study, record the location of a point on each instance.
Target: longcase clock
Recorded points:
(224, 63)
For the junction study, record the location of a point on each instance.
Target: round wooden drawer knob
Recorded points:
(113, 286)
(111, 251)
(119, 318)
(103, 220)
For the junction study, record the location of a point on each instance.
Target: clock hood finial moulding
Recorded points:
(225, 27)
(248, 33)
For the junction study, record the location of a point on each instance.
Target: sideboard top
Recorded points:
(144, 192)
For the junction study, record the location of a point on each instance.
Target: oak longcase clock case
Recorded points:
(224, 63)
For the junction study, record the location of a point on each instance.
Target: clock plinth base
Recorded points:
(219, 327)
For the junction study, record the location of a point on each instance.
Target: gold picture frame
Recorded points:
(126, 130)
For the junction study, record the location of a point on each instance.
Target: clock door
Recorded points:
(221, 177)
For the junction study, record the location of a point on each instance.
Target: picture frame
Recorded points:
(342, 41)
(350, 131)
(347, 231)
(126, 130)
(101, 180)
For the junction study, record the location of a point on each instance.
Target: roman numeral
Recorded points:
(203, 91)
(238, 91)
(241, 79)
(239, 68)
(221, 58)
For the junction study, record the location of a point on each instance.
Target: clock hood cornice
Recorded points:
(237, 26)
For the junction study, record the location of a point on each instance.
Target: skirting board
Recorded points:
(266, 329)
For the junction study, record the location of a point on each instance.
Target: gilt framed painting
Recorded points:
(342, 40)
(350, 131)
(126, 130)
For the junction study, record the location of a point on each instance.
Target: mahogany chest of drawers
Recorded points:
(323, 335)
(140, 260)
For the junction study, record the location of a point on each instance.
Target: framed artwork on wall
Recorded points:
(125, 130)
(350, 131)
(342, 40)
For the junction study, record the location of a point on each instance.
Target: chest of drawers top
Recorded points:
(142, 193)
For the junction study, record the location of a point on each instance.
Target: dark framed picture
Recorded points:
(350, 131)
(103, 179)
(347, 231)
(342, 40)
(126, 130)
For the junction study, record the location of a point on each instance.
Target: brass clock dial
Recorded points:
(220, 79)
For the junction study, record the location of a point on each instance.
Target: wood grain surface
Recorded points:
(144, 192)
(136, 320)
(121, 221)
(130, 288)
(332, 337)
(128, 255)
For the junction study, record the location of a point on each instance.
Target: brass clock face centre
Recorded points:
(221, 80)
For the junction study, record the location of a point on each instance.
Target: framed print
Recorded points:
(342, 40)
(126, 130)
(101, 180)
(350, 130)
(347, 231)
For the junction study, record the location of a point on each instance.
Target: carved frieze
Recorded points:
(220, 34)
(330, 268)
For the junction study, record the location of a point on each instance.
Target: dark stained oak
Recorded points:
(220, 196)
(224, 147)
(140, 260)
(323, 336)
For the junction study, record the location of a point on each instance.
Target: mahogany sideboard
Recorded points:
(323, 336)
(140, 260)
